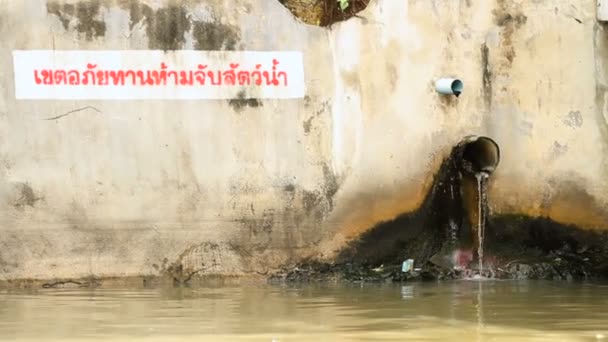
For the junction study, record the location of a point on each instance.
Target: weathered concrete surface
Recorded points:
(227, 187)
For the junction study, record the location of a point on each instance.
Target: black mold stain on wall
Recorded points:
(486, 73)
(576, 253)
(87, 14)
(63, 12)
(241, 101)
(87, 24)
(295, 224)
(419, 234)
(510, 20)
(330, 186)
(27, 196)
(167, 28)
(212, 36)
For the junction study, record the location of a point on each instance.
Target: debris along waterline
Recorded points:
(454, 223)
(429, 235)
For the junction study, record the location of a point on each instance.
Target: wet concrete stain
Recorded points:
(163, 265)
(166, 27)
(509, 20)
(310, 200)
(574, 119)
(330, 186)
(27, 197)
(351, 79)
(525, 127)
(307, 101)
(307, 124)
(241, 102)
(447, 101)
(600, 35)
(290, 192)
(297, 223)
(486, 73)
(263, 225)
(558, 149)
(393, 76)
(64, 12)
(89, 24)
(571, 202)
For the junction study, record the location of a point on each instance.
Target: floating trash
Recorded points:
(408, 266)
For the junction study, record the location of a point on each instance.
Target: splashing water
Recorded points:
(453, 232)
(481, 193)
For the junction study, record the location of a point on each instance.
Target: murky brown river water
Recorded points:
(449, 311)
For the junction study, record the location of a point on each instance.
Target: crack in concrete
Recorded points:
(72, 112)
(193, 273)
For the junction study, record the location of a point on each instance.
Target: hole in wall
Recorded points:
(324, 12)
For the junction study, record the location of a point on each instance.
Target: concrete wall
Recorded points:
(136, 188)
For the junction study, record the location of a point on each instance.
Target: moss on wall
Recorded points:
(323, 12)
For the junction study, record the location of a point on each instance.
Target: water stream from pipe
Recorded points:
(481, 196)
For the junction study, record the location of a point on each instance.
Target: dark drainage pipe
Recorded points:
(477, 154)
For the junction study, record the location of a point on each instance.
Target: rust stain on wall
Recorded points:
(571, 204)
(567, 203)
(367, 210)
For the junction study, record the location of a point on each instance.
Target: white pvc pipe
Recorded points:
(450, 86)
(602, 10)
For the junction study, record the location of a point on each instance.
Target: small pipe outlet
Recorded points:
(602, 10)
(479, 154)
(449, 86)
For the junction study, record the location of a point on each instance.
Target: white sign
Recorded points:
(151, 74)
